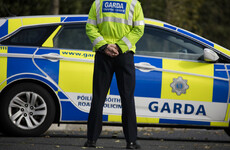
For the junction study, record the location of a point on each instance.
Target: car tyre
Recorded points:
(26, 109)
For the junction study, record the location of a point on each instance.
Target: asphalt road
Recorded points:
(149, 138)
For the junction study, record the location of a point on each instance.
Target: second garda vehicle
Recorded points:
(46, 69)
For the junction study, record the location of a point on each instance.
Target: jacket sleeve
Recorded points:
(92, 30)
(130, 39)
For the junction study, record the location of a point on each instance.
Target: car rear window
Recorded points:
(32, 36)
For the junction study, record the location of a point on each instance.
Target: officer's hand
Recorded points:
(112, 50)
(113, 46)
(110, 53)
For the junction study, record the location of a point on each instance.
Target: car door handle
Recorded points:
(52, 56)
(145, 67)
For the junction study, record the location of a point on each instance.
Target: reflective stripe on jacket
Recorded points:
(119, 21)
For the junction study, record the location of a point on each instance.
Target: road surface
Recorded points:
(150, 139)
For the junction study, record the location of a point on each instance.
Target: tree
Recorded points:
(54, 7)
(215, 21)
(184, 13)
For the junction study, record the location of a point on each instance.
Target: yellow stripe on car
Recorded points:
(75, 76)
(49, 41)
(221, 49)
(219, 124)
(148, 120)
(3, 64)
(152, 22)
(42, 20)
(16, 23)
(197, 90)
(114, 118)
(77, 54)
(227, 117)
(117, 118)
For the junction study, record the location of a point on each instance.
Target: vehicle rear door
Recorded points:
(67, 59)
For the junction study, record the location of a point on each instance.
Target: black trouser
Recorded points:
(104, 68)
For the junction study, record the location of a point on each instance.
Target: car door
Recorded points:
(174, 85)
(67, 59)
(69, 63)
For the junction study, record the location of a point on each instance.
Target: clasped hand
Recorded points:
(112, 50)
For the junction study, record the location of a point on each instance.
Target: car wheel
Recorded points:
(27, 109)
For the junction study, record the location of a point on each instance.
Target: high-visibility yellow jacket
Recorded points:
(118, 22)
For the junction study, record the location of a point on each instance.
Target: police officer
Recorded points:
(114, 27)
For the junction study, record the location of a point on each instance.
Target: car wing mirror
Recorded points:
(210, 55)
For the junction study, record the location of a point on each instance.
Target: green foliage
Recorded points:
(23, 7)
(215, 22)
(208, 18)
(75, 6)
(154, 9)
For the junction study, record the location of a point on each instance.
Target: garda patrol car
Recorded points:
(46, 74)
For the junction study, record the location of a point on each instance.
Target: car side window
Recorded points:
(161, 43)
(73, 37)
(32, 36)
